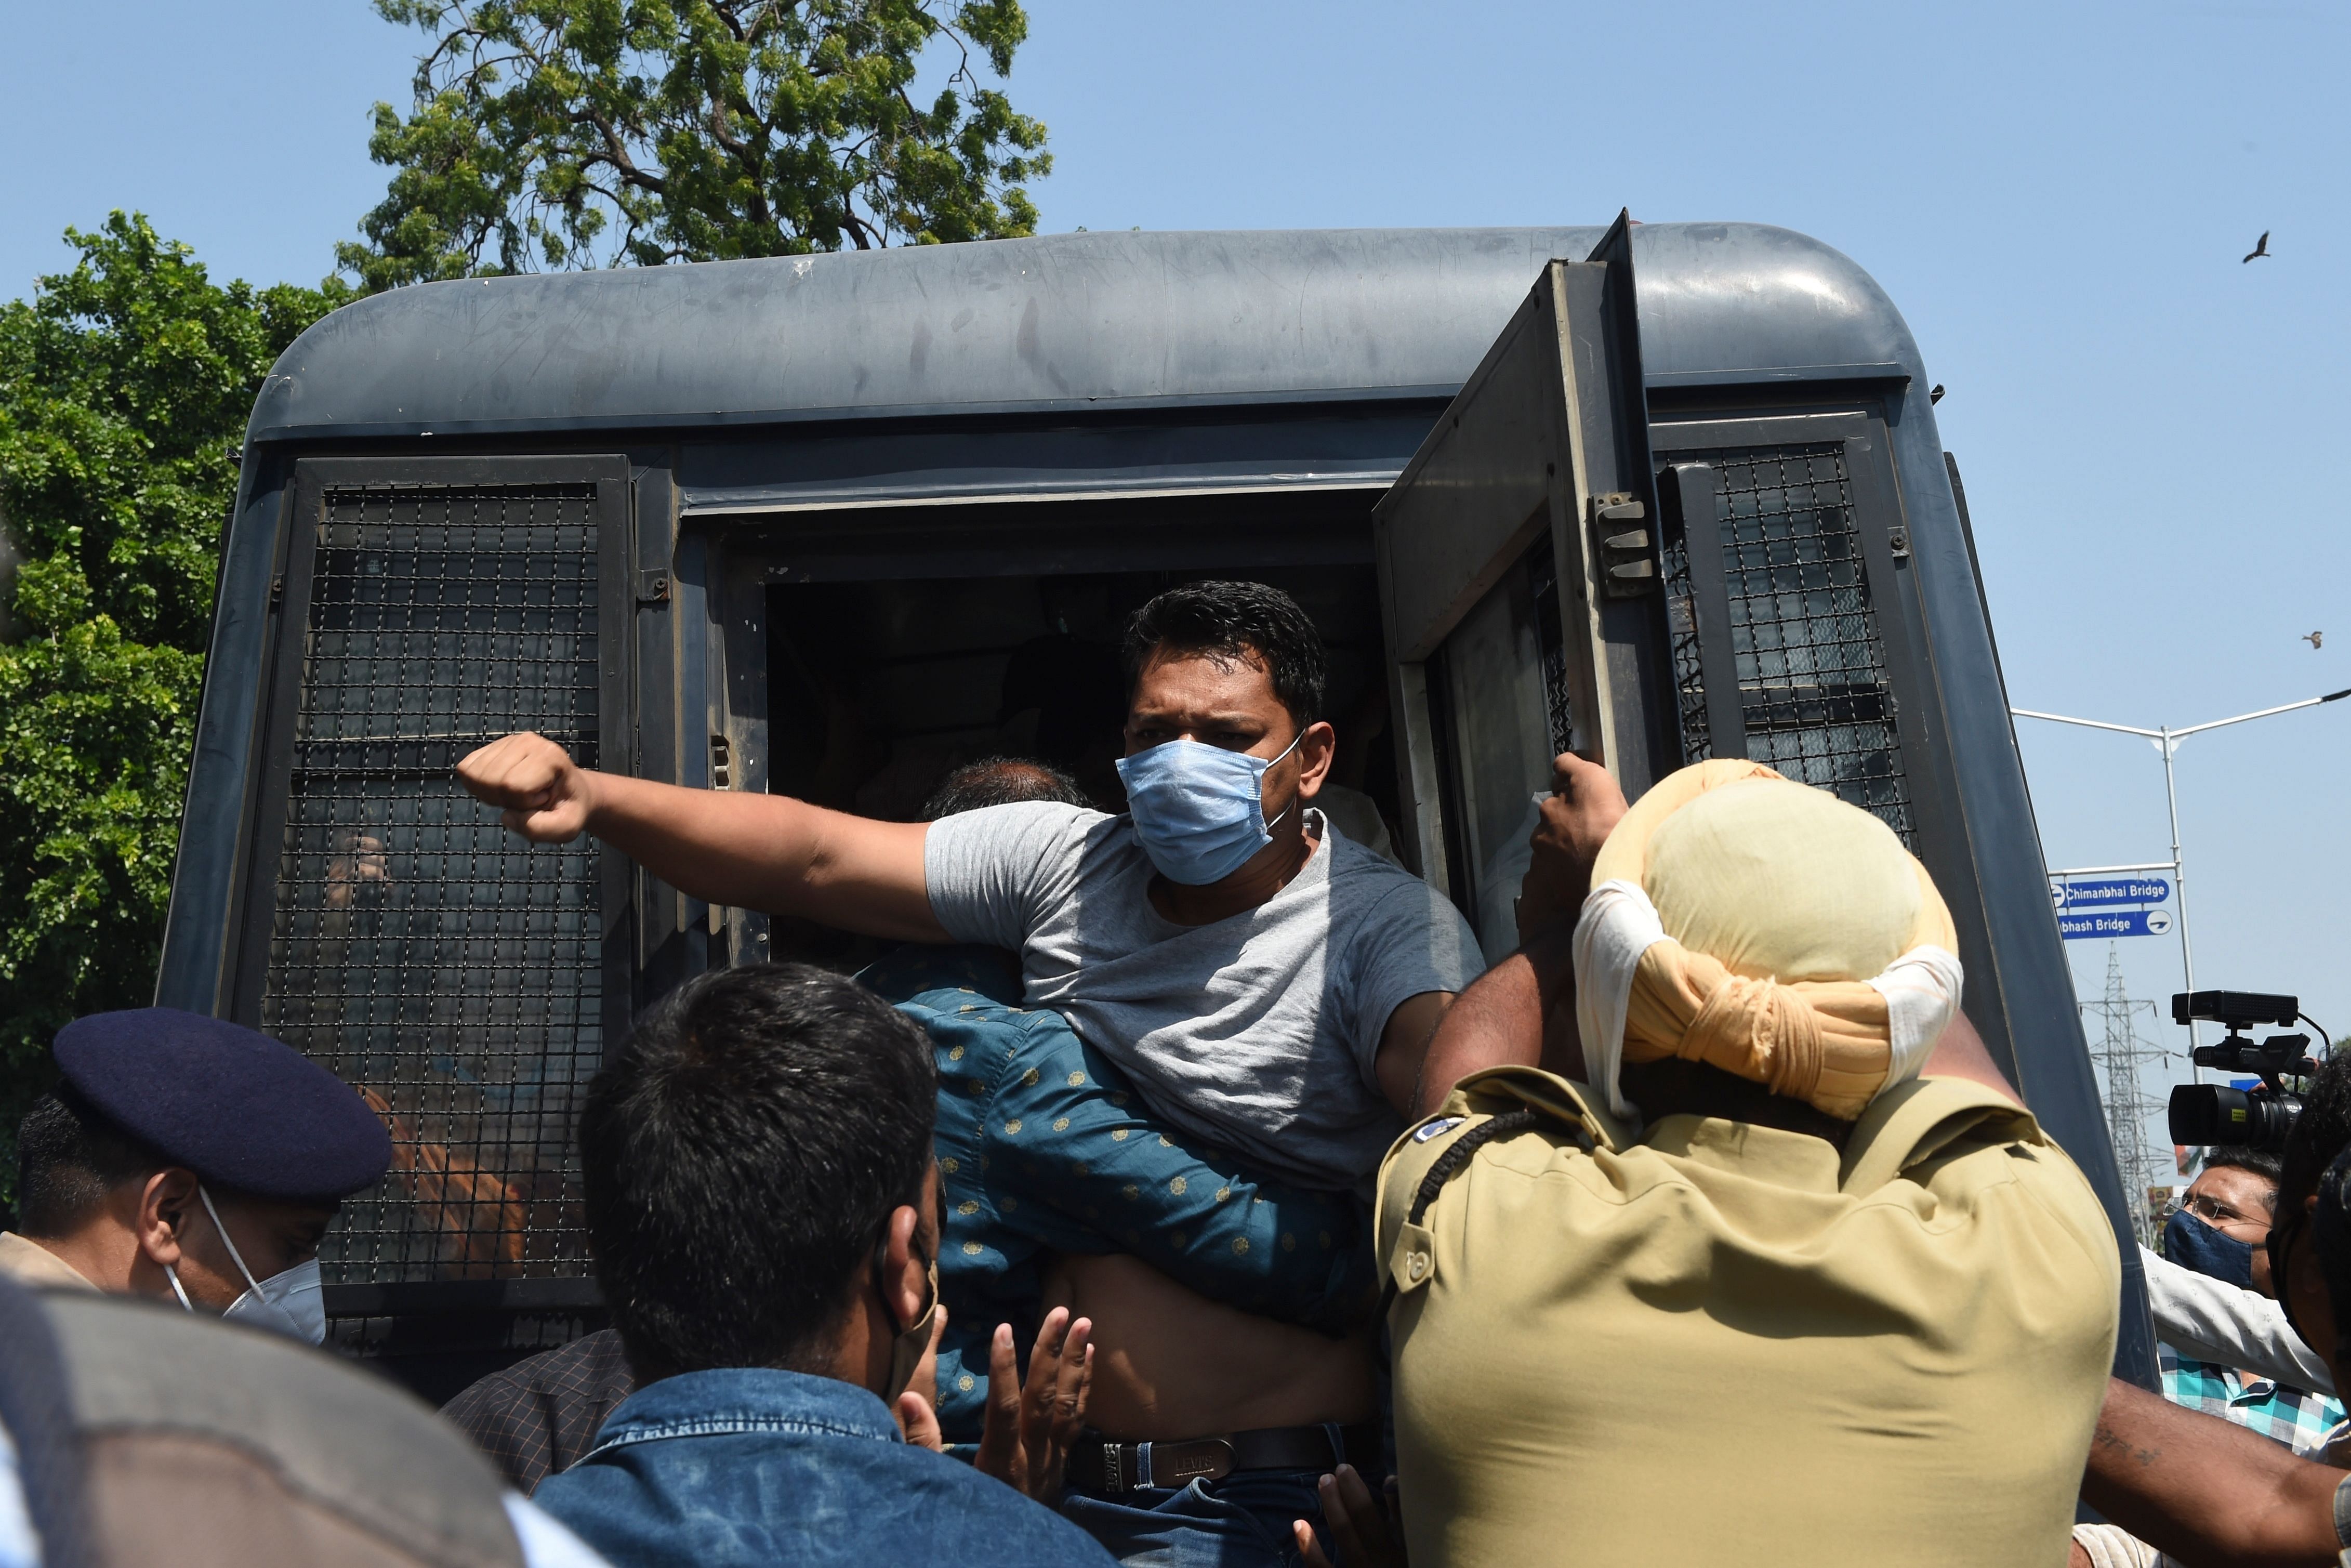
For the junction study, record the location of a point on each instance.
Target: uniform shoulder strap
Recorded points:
(1485, 1107)
(1918, 1119)
(1462, 1150)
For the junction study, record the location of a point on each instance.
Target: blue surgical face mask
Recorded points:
(2210, 1251)
(1199, 809)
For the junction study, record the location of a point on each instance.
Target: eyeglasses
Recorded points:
(2215, 1213)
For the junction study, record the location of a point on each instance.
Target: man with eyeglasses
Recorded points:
(2219, 1228)
(2197, 1488)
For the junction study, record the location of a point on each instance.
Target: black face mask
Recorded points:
(2194, 1243)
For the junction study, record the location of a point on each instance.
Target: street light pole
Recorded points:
(2167, 740)
(2180, 878)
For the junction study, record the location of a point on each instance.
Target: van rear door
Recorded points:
(1519, 574)
(1735, 576)
(1563, 572)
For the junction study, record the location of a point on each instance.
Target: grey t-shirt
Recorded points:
(1257, 1032)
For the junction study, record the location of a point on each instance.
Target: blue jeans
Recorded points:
(1239, 1521)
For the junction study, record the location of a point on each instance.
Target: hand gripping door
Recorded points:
(1520, 576)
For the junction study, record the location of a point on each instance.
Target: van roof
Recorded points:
(1057, 323)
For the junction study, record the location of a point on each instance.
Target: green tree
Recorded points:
(124, 388)
(560, 133)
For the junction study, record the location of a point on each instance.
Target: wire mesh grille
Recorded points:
(1681, 640)
(1559, 706)
(443, 965)
(1812, 684)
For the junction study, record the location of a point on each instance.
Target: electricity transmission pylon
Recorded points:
(2121, 1055)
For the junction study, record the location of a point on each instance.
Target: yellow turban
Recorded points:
(1766, 929)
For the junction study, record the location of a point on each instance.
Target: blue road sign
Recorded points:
(2113, 922)
(2093, 892)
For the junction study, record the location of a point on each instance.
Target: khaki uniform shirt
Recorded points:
(30, 1263)
(1724, 1342)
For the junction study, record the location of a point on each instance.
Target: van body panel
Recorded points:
(1056, 423)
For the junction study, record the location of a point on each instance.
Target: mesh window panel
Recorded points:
(1681, 634)
(1811, 663)
(423, 953)
(1559, 708)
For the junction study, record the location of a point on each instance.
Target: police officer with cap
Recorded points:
(191, 1160)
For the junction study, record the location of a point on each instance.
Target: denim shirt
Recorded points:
(759, 1467)
(1044, 1146)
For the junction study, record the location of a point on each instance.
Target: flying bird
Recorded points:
(2313, 638)
(2261, 247)
(1936, 394)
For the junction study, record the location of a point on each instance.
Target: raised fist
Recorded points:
(542, 793)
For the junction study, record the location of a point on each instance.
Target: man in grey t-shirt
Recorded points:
(1267, 984)
(1262, 1031)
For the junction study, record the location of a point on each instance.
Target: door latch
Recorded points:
(1625, 549)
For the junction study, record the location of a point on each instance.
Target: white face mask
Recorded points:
(292, 1303)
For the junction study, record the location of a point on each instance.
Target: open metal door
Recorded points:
(1522, 576)
(1558, 574)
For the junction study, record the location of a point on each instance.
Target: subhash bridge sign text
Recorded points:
(2114, 923)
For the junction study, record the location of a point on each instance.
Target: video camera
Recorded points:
(2259, 1118)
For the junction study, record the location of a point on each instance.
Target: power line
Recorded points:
(2121, 1055)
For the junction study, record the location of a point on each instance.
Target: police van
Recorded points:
(829, 525)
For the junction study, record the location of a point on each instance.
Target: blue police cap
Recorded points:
(234, 1106)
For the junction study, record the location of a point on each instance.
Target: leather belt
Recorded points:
(1098, 1465)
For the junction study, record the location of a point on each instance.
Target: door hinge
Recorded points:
(653, 588)
(1899, 541)
(722, 771)
(277, 593)
(1627, 554)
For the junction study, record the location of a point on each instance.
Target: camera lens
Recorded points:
(2206, 1113)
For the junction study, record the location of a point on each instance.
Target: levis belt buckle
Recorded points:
(1178, 1465)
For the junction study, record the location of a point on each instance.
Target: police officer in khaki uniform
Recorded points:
(191, 1160)
(1790, 1276)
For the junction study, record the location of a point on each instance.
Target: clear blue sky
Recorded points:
(2055, 195)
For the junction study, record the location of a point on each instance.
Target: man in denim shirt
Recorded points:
(761, 1201)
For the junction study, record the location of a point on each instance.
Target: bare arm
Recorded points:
(1499, 1021)
(1405, 1046)
(1522, 1010)
(753, 852)
(2206, 1491)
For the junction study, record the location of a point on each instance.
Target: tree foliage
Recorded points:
(124, 388)
(556, 133)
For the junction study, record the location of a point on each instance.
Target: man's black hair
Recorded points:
(2330, 1240)
(2259, 1162)
(1235, 621)
(2319, 1133)
(1001, 781)
(743, 1154)
(68, 1157)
